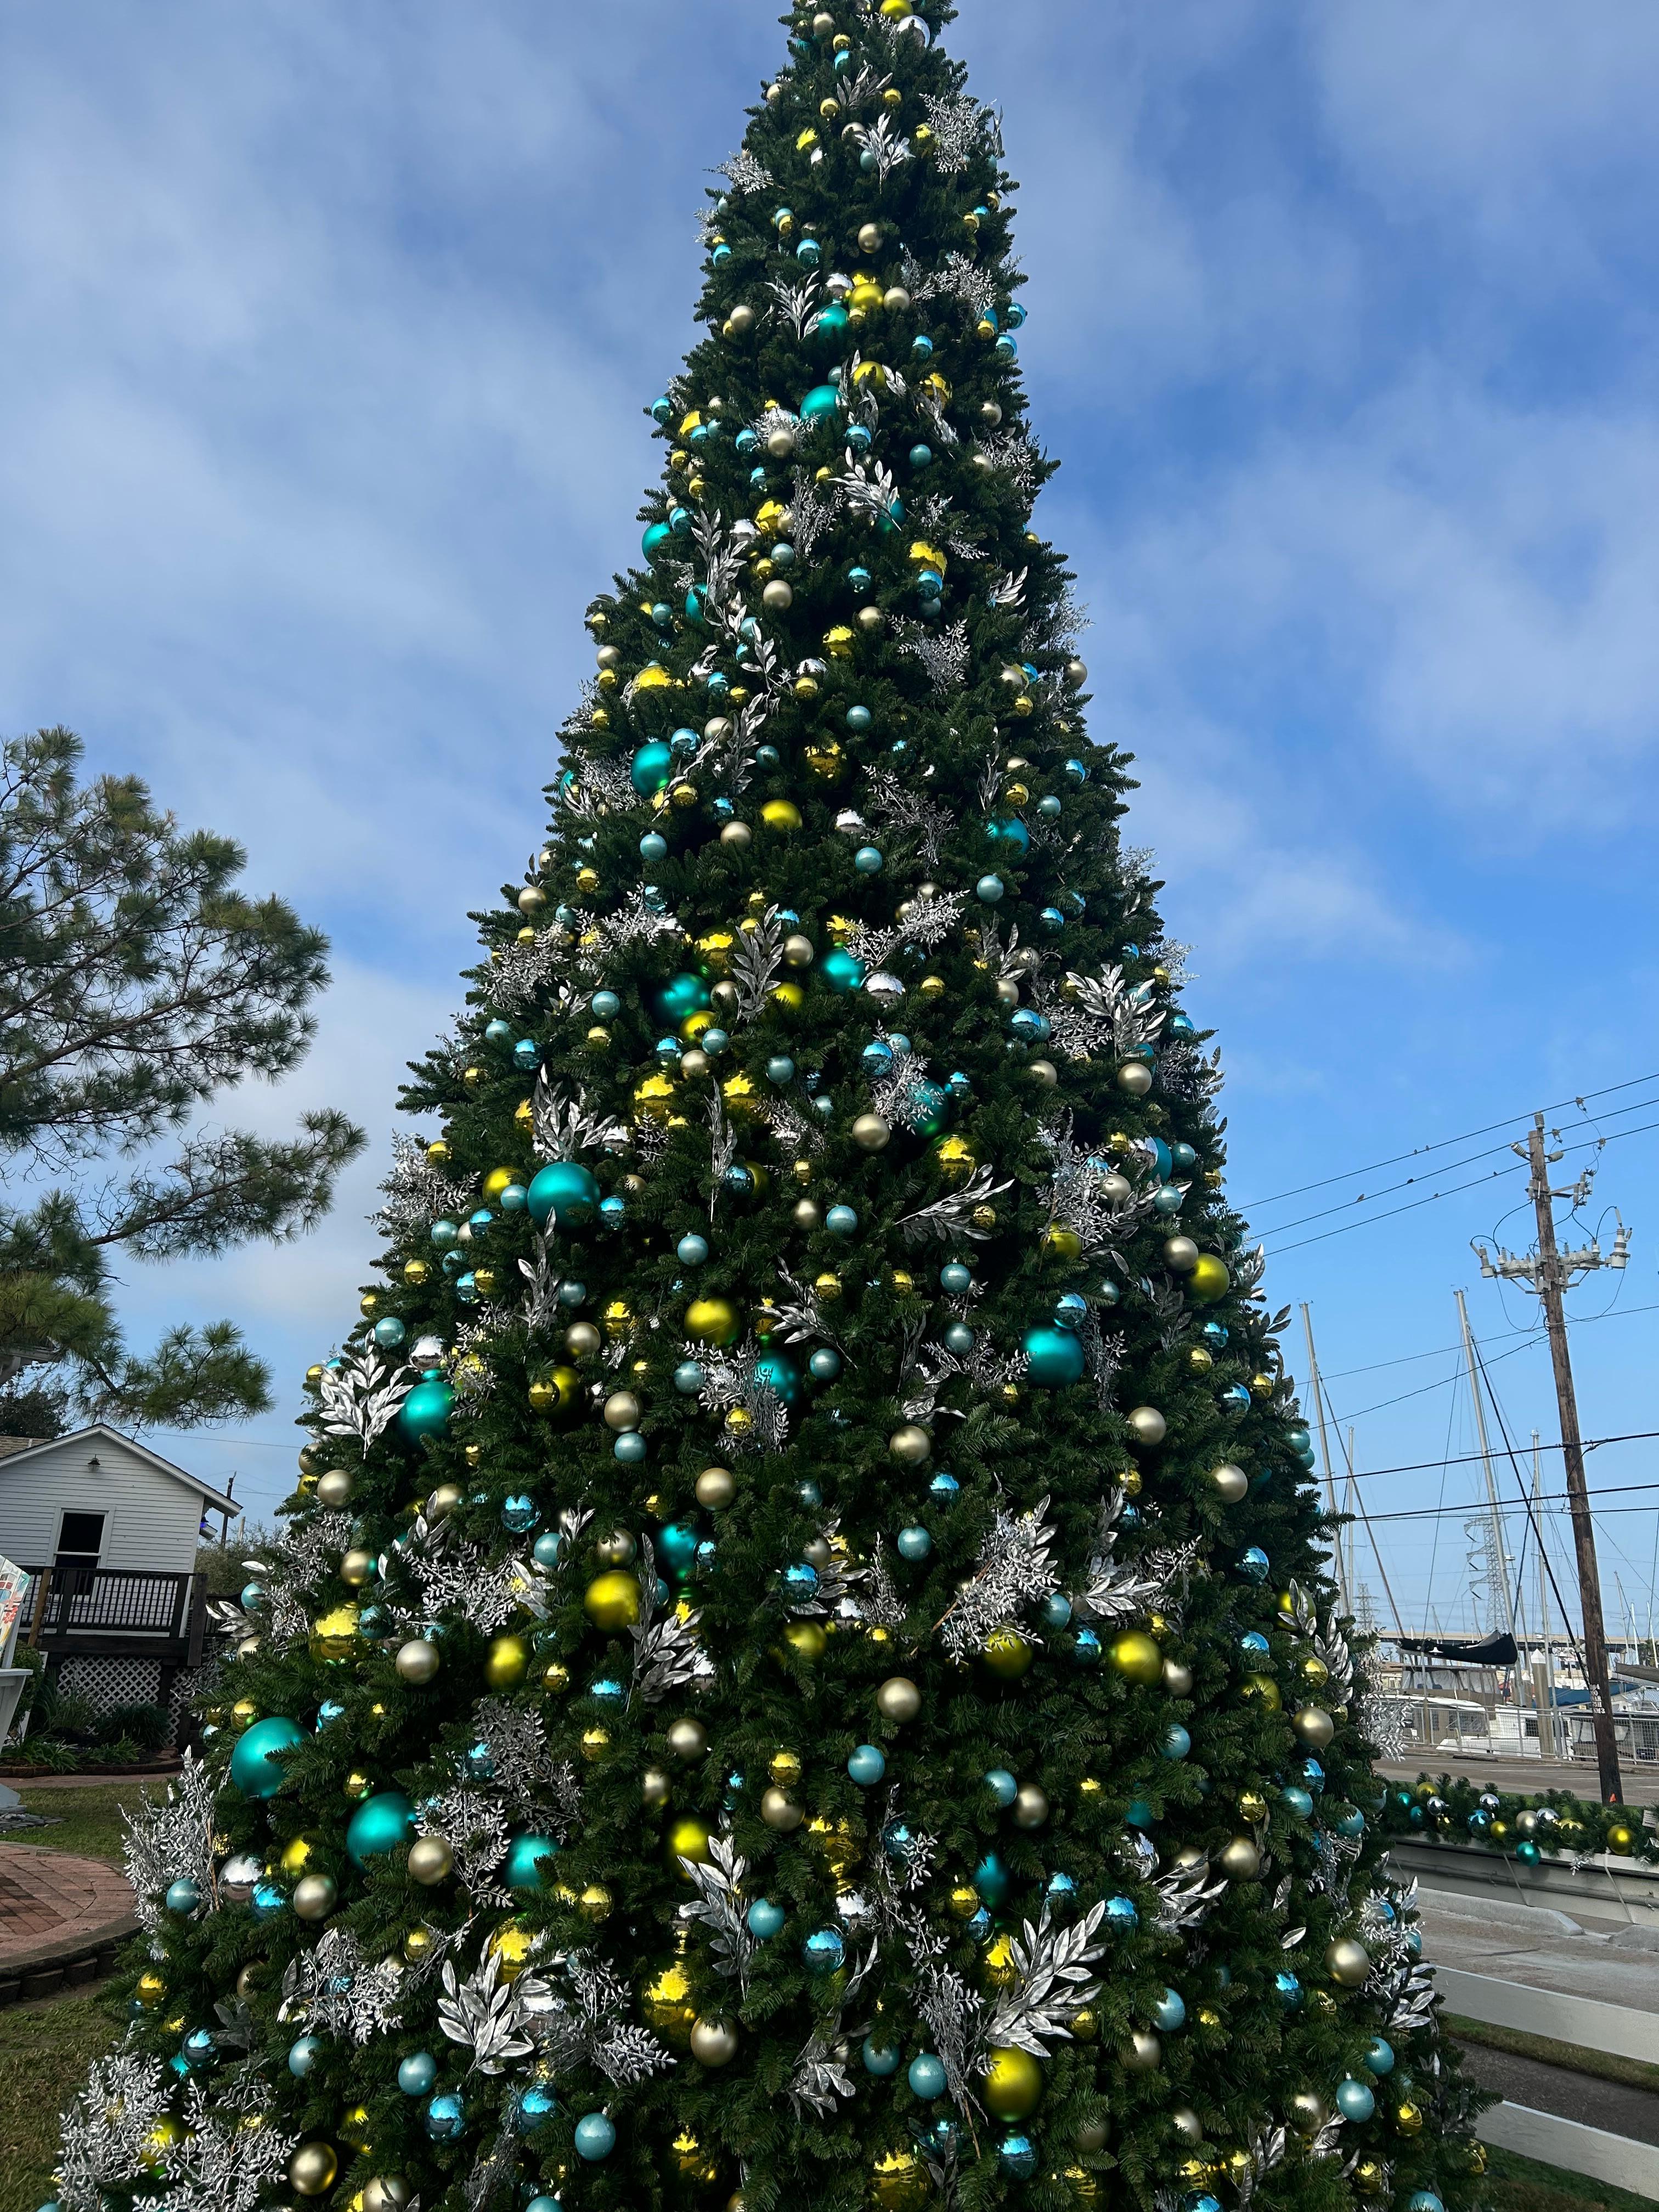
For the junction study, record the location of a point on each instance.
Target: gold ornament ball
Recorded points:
(1143, 2053)
(1314, 1725)
(871, 1132)
(714, 2042)
(619, 1549)
(417, 1660)
(595, 1742)
(1001, 1970)
(1187, 2125)
(1209, 1280)
(910, 1446)
(736, 836)
(898, 2183)
(806, 1639)
(712, 1321)
(444, 1499)
(333, 1634)
(688, 1839)
(1229, 1483)
(1180, 1254)
(668, 2008)
(780, 814)
(1136, 1657)
(514, 1947)
(1239, 1860)
(1253, 1806)
(353, 2129)
(1261, 1690)
(716, 1486)
(152, 1988)
(692, 2161)
(785, 1768)
(964, 1902)
(899, 1698)
(315, 1896)
(1309, 2111)
(1083, 2185)
(1091, 2136)
(295, 1855)
(556, 1677)
(313, 2169)
(1620, 1838)
(1013, 2087)
(1007, 1655)
(595, 1903)
(356, 1567)
(1347, 1962)
(688, 1740)
(1085, 2025)
(780, 1811)
(431, 1860)
(611, 1602)
(1177, 1679)
(1146, 1426)
(1031, 1807)
(334, 1488)
(385, 2192)
(1408, 2118)
(654, 1786)
(506, 1663)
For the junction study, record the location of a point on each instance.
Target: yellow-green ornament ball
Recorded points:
(1013, 2087)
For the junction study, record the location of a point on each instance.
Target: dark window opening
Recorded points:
(80, 1540)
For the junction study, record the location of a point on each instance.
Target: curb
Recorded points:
(46, 1972)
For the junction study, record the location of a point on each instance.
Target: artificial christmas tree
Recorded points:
(800, 1667)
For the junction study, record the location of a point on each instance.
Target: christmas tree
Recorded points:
(801, 1665)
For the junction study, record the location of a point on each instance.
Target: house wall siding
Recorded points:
(152, 1521)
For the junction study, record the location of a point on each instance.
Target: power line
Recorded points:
(1405, 1360)
(1445, 1143)
(1429, 1465)
(1548, 1498)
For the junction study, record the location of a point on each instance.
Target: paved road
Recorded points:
(1513, 1943)
(1594, 2104)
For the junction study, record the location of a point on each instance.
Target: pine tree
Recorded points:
(801, 1665)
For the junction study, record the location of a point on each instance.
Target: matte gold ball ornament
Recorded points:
(1347, 1962)
(1315, 1726)
(910, 1445)
(1014, 2085)
(506, 1663)
(418, 1661)
(714, 2042)
(1229, 1483)
(1240, 1860)
(1136, 1656)
(313, 2169)
(899, 1698)
(315, 1896)
(431, 1860)
(611, 1602)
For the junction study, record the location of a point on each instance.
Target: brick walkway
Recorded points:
(49, 1901)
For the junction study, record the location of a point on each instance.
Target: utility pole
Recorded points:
(1318, 1389)
(1548, 1275)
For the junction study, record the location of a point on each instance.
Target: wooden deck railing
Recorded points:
(122, 1611)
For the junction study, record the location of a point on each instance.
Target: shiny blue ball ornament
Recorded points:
(680, 995)
(653, 847)
(1056, 1611)
(535, 2104)
(1054, 1358)
(990, 890)
(1288, 1990)
(445, 2117)
(1085, 1652)
(691, 1251)
(543, 2204)
(519, 1513)
(498, 1031)
(251, 1596)
(1175, 1743)
(690, 1377)
(1351, 1823)
(944, 1487)
(1169, 2013)
(1423, 2200)
(1379, 2056)
(779, 1375)
(268, 1902)
(677, 1547)
(526, 1053)
(606, 1004)
(1122, 1914)
(1297, 1801)
(880, 2059)
(425, 1412)
(991, 1880)
(867, 861)
(389, 1332)
(800, 1582)
(629, 1451)
(1138, 1814)
(566, 1189)
(824, 1365)
(780, 1069)
(765, 1918)
(1526, 1850)
(715, 1041)
(914, 1543)
(1254, 1643)
(1016, 2157)
(1235, 1399)
(417, 2073)
(841, 970)
(926, 2076)
(823, 399)
(1254, 1565)
(255, 1766)
(867, 1765)
(595, 2137)
(525, 1854)
(199, 2048)
(1313, 1774)
(379, 1824)
(921, 347)
(1354, 2101)
(304, 2055)
(1002, 1785)
(840, 1221)
(921, 457)
(954, 1277)
(1009, 830)
(183, 1896)
(858, 720)
(823, 1951)
(654, 539)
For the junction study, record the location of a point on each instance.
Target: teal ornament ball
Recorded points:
(525, 1856)
(880, 2059)
(823, 399)
(677, 1547)
(425, 1413)
(867, 1765)
(681, 995)
(1354, 2101)
(841, 970)
(650, 768)
(991, 1880)
(379, 1824)
(780, 1375)
(1011, 831)
(567, 1189)
(1379, 2056)
(255, 1764)
(654, 539)
(1054, 1358)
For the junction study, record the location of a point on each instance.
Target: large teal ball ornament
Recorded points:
(255, 1768)
(425, 1412)
(378, 1826)
(832, 324)
(1055, 1357)
(564, 1188)
(991, 1880)
(650, 769)
(820, 401)
(1009, 832)
(654, 539)
(841, 970)
(681, 995)
(525, 1854)
(928, 1109)
(780, 1375)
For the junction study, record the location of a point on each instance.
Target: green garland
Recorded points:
(1529, 1825)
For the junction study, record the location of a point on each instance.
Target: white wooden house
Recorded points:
(108, 1529)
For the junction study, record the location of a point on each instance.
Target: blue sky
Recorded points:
(326, 336)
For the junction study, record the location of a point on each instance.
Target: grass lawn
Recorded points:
(88, 1821)
(45, 2052)
(1521, 2184)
